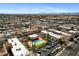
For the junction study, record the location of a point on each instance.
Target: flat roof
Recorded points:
(44, 31)
(52, 34)
(55, 35)
(18, 48)
(33, 35)
(72, 31)
(65, 27)
(60, 32)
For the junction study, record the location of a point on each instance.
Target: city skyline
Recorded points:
(35, 8)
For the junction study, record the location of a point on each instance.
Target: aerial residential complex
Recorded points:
(39, 35)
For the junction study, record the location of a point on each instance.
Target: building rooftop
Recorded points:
(60, 32)
(53, 35)
(18, 48)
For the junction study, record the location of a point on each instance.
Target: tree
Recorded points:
(46, 37)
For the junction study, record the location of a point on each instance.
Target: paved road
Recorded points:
(71, 52)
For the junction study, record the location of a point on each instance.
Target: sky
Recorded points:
(34, 8)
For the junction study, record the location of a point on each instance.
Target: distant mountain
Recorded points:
(44, 13)
(77, 13)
